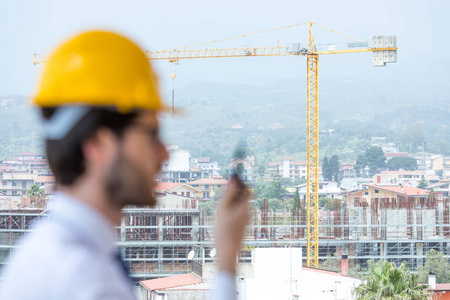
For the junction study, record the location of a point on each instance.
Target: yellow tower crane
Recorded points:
(384, 50)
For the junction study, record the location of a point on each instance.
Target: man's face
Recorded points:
(130, 179)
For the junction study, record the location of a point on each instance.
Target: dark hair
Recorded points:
(65, 156)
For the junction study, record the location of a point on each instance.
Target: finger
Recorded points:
(230, 193)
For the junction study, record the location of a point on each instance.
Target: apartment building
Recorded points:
(288, 168)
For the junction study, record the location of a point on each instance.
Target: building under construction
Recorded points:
(394, 223)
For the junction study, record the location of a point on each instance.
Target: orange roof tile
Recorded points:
(211, 181)
(442, 287)
(171, 282)
(404, 189)
(164, 186)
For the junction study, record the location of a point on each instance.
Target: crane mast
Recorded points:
(312, 184)
(384, 51)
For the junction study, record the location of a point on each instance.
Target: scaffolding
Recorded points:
(156, 242)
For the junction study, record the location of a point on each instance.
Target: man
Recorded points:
(100, 104)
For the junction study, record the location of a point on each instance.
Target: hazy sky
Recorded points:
(421, 27)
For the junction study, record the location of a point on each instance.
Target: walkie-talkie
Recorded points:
(236, 174)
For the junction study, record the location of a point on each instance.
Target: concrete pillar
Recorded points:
(383, 250)
(160, 229)
(160, 247)
(195, 228)
(419, 250)
(122, 228)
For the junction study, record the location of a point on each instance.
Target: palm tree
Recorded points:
(36, 195)
(386, 281)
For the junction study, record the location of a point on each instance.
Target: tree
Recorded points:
(36, 194)
(331, 263)
(405, 163)
(423, 183)
(210, 207)
(273, 190)
(415, 135)
(326, 203)
(386, 281)
(326, 170)
(261, 170)
(372, 158)
(334, 167)
(375, 159)
(435, 262)
(275, 204)
(361, 163)
(240, 152)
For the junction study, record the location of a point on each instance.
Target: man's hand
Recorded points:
(232, 218)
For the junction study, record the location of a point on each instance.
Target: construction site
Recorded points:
(156, 242)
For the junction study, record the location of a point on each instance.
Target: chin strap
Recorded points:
(63, 120)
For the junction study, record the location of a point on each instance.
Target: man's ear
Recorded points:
(101, 147)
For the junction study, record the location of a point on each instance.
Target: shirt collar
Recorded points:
(84, 221)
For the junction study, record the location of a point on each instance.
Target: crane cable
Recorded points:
(264, 31)
(237, 36)
(347, 36)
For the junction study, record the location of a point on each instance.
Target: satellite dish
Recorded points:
(191, 255)
(213, 252)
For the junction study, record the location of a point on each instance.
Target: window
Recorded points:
(4, 182)
(206, 186)
(377, 191)
(188, 194)
(24, 184)
(14, 183)
(182, 193)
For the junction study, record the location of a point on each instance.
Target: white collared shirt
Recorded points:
(70, 256)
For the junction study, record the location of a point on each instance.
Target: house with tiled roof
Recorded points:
(248, 167)
(441, 189)
(390, 195)
(208, 167)
(209, 186)
(182, 189)
(174, 287)
(288, 168)
(411, 178)
(173, 195)
(48, 182)
(327, 189)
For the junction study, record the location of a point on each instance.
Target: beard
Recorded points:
(127, 184)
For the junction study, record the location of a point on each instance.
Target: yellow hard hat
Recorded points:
(99, 68)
